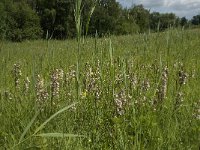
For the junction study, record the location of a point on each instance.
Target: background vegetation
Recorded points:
(138, 91)
(33, 19)
(134, 92)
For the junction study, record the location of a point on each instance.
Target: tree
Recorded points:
(196, 20)
(183, 21)
(126, 24)
(57, 18)
(155, 21)
(2, 21)
(105, 17)
(21, 21)
(167, 20)
(31, 19)
(141, 17)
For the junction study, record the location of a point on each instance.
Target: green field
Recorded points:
(126, 92)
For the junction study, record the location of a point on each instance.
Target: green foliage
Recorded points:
(103, 20)
(33, 19)
(141, 17)
(119, 106)
(155, 21)
(22, 22)
(57, 18)
(183, 21)
(161, 22)
(167, 20)
(2, 21)
(196, 20)
(126, 28)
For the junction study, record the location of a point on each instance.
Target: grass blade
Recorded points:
(89, 17)
(28, 126)
(58, 135)
(53, 116)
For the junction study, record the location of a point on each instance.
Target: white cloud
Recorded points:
(182, 8)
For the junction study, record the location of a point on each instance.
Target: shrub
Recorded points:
(2, 21)
(22, 22)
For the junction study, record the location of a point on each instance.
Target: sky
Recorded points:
(182, 8)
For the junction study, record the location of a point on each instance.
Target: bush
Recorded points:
(127, 28)
(22, 22)
(2, 21)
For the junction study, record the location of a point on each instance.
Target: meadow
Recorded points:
(122, 92)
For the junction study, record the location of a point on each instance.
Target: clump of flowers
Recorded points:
(91, 81)
(17, 75)
(145, 85)
(196, 113)
(70, 75)
(133, 81)
(41, 94)
(182, 77)
(26, 85)
(162, 90)
(120, 102)
(179, 100)
(56, 78)
(119, 79)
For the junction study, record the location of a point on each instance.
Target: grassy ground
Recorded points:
(131, 92)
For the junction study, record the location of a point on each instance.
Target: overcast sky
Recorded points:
(181, 8)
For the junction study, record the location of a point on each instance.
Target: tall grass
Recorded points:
(138, 92)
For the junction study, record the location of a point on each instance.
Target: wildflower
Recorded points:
(119, 79)
(162, 91)
(120, 102)
(98, 93)
(39, 85)
(41, 94)
(182, 77)
(164, 81)
(90, 80)
(17, 74)
(70, 75)
(179, 100)
(84, 94)
(133, 80)
(196, 113)
(60, 74)
(56, 77)
(98, 69)
(26, 84)
(145, 85)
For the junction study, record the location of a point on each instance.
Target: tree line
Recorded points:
(34, 19)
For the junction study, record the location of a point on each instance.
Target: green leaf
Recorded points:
(28, 127)
(89, 17)
(58, 135)
(53, 116)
